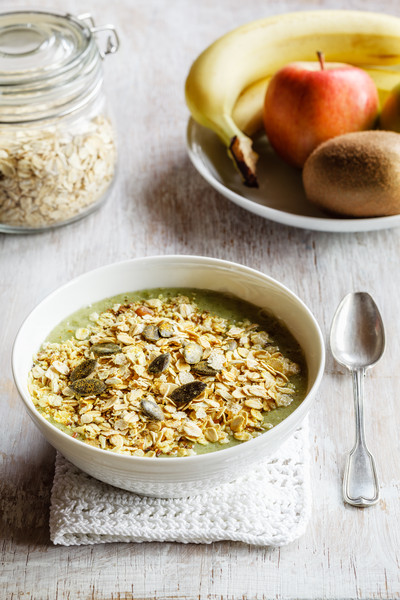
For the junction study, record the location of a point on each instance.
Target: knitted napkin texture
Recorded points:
(270, 506)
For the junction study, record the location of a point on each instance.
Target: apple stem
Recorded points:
(321, 59)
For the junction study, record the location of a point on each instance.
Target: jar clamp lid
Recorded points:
(48, 63)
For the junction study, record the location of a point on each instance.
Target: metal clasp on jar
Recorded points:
(112, 42)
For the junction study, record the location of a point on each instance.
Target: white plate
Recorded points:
(280, 196)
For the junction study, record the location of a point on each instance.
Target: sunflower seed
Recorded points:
(105, 348)
(187, 392)
(84, 369)
(192, 353)
(159, 364)
(203, 368)
(166, 329)
(151, 333)
(88, 387)
(151, 409)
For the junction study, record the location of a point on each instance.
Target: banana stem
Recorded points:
(241, 151)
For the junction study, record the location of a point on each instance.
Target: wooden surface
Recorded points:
(161, 205)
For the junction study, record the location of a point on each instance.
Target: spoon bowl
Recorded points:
(357, 337)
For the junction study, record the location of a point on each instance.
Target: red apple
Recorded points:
(309, 103)
(390, 114)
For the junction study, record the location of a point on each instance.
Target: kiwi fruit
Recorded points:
(356, 174)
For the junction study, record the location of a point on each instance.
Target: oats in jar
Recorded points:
(49, 175)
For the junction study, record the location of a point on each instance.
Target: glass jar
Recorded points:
(57, 141)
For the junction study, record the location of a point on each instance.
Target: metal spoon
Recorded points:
(357, 342)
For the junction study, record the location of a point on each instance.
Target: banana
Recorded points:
(248, 110)
(257, 50)
(385, 80)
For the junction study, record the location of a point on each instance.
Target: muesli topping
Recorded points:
(132, 385)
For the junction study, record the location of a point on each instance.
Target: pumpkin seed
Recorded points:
(166, 329)
(192, 353)
(151, 333)
(88, 387)
(151, 409)
(159, 364)
(203, 368)
(187, 392)
(84, 369)
(105, 348)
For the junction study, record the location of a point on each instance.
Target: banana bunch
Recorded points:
(226, 84)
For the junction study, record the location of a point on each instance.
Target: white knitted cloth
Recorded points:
(269, 507)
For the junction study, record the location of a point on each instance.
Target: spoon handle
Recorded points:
(360, 483)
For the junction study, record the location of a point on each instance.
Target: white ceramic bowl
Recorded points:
(170, 477)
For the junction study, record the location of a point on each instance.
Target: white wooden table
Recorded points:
(161, 205)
